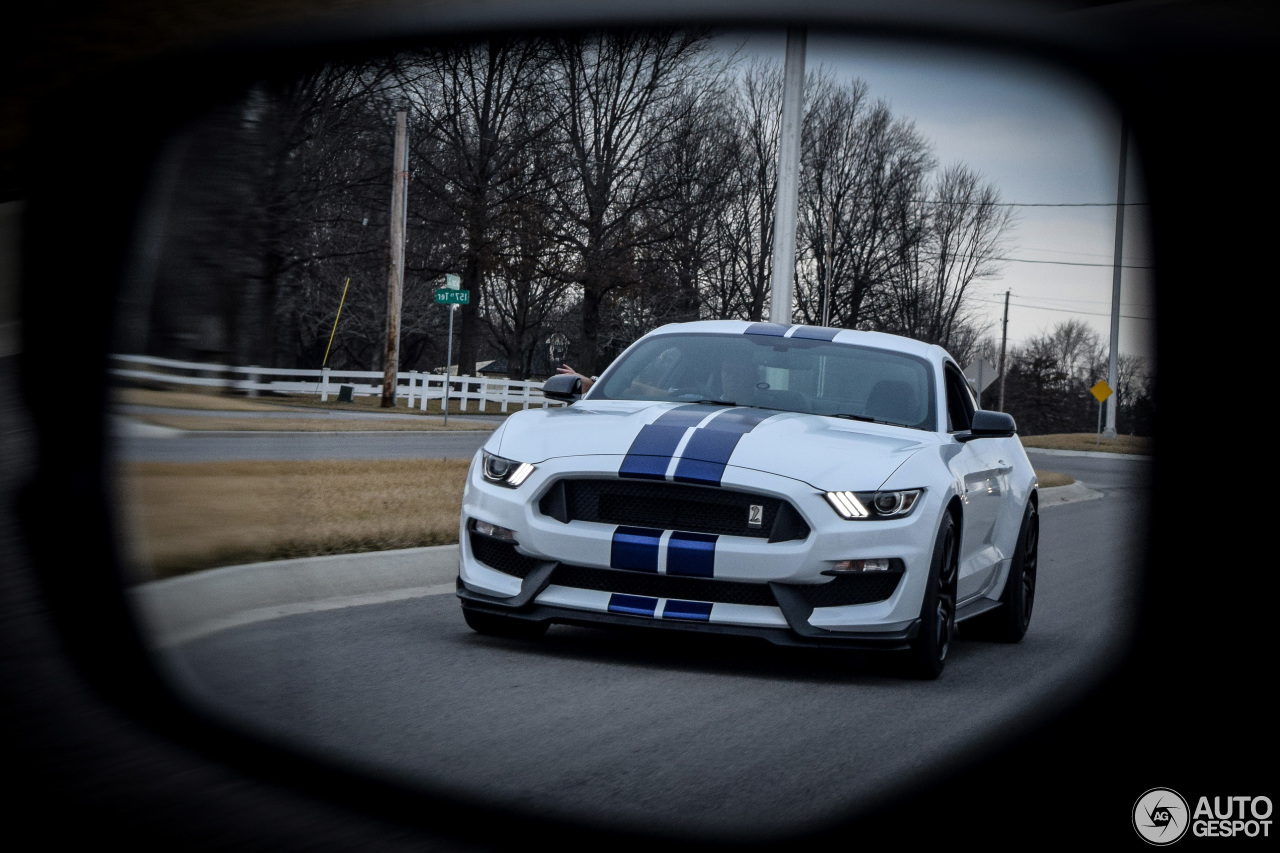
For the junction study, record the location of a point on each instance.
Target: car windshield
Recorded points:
(790, 375)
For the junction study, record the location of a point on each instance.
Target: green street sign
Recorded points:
(445, 296)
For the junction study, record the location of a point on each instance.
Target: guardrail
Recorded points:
(419, 388)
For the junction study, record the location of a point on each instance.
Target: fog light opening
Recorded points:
(484, 528)
(850, 567)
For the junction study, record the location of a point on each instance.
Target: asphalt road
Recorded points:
(690, 736)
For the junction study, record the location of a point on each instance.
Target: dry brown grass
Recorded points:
(191, 516)
(202, 400)
(1049, 479)
(1136, 444)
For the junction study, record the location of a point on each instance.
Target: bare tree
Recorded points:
(481, 107)
(862, 176)
(963, 231)
(738, 281)
(526, 286)
(617, 104)
(699, 171)
(276, 185)
(1050, 377)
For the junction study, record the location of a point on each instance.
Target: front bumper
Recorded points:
(569, 572)
(797, 632)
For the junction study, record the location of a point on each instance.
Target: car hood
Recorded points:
(827, 453)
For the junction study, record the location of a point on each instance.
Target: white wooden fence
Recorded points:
(325, 383)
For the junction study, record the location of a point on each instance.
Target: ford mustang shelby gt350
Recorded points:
(803, 484)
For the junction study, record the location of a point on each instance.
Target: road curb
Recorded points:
(1071, 493)
(178, 610)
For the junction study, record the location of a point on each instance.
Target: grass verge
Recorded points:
(1131, 444)
(190, 516)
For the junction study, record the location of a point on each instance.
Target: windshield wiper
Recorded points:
(850, 417)
(711, 402)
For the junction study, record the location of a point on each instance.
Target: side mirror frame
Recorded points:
(988, 424)
(563, 386)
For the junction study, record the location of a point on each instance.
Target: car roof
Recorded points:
(878, 340)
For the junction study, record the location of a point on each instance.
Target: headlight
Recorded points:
(505, 472)
(874, 505)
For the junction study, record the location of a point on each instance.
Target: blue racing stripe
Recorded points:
(691, 554)
(651, 450)
(707, 453)
(636, 605)
(775, 330)
(815, 333)
(695, 610)
(635, 548)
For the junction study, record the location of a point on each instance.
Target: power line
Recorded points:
(1043, 204)
(1146, 304)
(1051, 263)
(1064, 310)
(1069, 263)
(1108, 255)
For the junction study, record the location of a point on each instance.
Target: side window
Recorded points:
(960, 404)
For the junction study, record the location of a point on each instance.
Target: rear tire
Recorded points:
(495, 625)
(928, 654)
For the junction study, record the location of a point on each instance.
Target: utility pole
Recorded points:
(395, 279)
(784, 212)
(1112, 369)
(826, 291)
(1004, 340)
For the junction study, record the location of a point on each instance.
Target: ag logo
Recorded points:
(1161, 816)
(755, 515)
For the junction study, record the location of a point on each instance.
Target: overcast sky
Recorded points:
(1042, 138)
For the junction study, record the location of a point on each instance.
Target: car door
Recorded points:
(976, 466)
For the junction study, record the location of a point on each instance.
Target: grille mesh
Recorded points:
(675, 506)
(861, 588)
(500, 555)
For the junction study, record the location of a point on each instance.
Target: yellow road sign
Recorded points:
(1102, 390)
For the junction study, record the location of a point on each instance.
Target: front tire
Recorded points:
(495, 625)
(1009, 622)
(929, 650)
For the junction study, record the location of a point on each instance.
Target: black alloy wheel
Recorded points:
(938, 612)
(1009, 622)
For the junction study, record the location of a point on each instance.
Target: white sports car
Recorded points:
(802, 484)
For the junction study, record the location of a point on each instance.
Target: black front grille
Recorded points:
(663, 586)
(673, 506)
(500, 555)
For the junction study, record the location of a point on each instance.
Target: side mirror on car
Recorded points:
(990, 425)
(563, 386)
